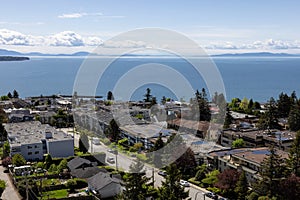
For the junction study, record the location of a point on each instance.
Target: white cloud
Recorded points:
(8, 37)
(66, 38)
(83, 14)
(92, 41)
(72, 15)
(78, 15)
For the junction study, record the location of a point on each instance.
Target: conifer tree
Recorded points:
(171, 188)
(272, 171)
(241, 188)
(294, 156)
(136, 183)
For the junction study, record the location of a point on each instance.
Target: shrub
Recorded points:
(71, 185)
(2, 186)
(80, 183)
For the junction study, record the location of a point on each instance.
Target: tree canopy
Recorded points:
(18, 160)
(136, 183)
(171, 188)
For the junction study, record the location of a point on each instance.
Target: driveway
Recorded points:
(10, 191)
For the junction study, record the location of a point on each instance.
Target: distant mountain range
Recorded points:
(4, 52)
(257, 54)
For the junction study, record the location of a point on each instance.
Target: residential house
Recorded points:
(104, 185)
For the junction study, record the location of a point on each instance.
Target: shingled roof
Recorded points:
(78, 162)
(86, 172)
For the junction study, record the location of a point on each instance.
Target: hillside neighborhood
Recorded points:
(59, 147)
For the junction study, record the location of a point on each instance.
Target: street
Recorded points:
(124, 161)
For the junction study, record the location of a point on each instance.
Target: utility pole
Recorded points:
(153, 176)
(117, 160)
(91, 144)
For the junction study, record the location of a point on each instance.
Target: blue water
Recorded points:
(257, 78)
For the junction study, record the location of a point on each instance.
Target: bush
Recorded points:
(18, 160)
(252, 196)
(132, 149)
(2, 186)
(40, 165)
(71, 185)
(80, 183)
(193, 181)
(52, 168)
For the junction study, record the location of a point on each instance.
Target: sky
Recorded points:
(218, 26)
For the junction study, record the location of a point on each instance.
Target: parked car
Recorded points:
(114, 151)
(184, 183)
(162, 173)
(211, 195)
(110, 160)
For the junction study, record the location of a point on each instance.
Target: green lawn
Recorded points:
(56, 194)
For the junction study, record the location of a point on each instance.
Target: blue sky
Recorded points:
(218, 26)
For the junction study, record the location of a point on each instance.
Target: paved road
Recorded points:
(124, 161)
(10, 192)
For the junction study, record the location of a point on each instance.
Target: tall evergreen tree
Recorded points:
(272, 171)
(9, 95)
(241, 188)
(294, 117)
(148, 95)
(200, 106)
(269, 120)
(110, 96)
(15, 94)
(136, 183)
(284, 105)
(171, 188)
(294, 156)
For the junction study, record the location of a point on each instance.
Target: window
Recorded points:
(35, 146)
(29, 153)
(29, 147)
(37, 152)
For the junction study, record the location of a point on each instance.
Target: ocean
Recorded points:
(258, 78)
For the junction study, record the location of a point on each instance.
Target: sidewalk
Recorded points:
(10, 191)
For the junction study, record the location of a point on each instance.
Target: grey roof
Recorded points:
(101, 180)
(86, 172)
(77, 162)
(33, 132)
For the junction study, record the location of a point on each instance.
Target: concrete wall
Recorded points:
(32, 151)
(60, 148)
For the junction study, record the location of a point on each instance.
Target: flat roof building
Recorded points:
(32, 140)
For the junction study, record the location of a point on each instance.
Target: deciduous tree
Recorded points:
(18, 160)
